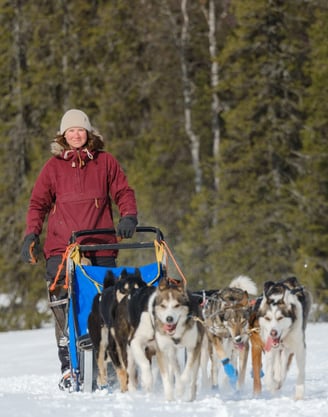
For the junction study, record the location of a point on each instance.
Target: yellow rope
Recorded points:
(95, 283)
(75, 255)
(73, 251)
(159, 253)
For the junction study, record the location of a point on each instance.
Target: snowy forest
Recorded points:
(216, 109)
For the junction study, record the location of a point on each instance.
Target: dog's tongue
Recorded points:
(169, 327)
(268, 344)
(240, 346)
(271, 342)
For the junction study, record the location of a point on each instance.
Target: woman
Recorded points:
(74, 191)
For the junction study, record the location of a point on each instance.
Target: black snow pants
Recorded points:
(58, 302)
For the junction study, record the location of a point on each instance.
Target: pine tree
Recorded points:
(312, 265)
(263, 86)
(261, 199)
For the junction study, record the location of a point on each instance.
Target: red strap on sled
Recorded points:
(168, 250)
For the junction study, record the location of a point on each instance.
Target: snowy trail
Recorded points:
(29, 377)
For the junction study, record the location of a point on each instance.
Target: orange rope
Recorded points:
(32, 256)
(60, 268)
(174, 261)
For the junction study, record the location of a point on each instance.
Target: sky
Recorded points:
(29, 375)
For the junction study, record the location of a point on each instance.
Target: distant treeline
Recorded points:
(217, 110)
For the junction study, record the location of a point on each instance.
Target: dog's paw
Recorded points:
(104, 389)
(299, 392)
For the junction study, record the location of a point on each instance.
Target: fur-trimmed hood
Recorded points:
(60, 148)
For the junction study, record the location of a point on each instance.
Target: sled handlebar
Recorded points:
(118, 245)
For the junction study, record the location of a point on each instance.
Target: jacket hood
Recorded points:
(59, 146)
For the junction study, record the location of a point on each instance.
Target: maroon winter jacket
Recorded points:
(75, 190)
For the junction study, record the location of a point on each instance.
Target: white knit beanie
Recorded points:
(74, 118)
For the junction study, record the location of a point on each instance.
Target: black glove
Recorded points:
(30, 249)
(126, 226)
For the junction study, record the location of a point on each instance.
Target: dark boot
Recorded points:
(66, 381)
(63, 355)
(58, 302)
(59, 309)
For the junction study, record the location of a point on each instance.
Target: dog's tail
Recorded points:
(244, 283)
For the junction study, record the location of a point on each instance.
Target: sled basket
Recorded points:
(86, 281)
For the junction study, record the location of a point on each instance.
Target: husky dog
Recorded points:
(99, 332)
(281, 314)
(141, 344)
(226, 314)
(174, 313)
(108, 325)
(166, 326)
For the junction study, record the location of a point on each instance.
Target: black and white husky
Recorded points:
(282, 317)
(109, 326)
(166, 326)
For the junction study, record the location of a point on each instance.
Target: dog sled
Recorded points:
(86, 281)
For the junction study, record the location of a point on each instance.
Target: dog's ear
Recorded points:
(244, 301)
(163, 283)
(124, 274)
(109, 280)
(222, 315)
(266, 286)
(137, 273)
(167, 282)
(275, 292)
(179, 284)
(291, 282)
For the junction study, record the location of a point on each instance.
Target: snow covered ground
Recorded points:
(29, 377)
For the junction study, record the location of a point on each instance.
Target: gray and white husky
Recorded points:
(226, 314)
(282, 317)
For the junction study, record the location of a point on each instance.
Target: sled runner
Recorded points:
(86, 281)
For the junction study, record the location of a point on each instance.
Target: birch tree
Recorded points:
(187, 95)
(210, 17)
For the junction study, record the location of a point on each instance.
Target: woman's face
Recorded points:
(76, 137)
